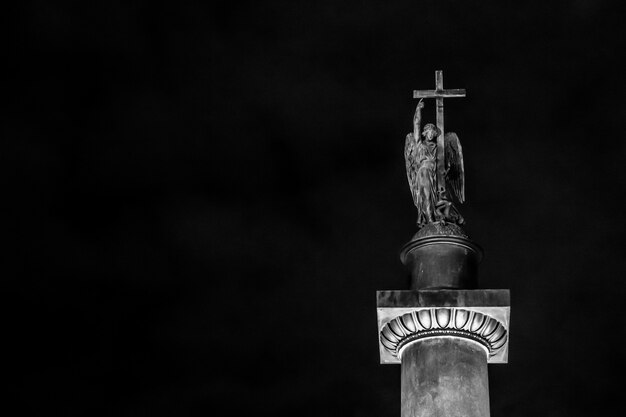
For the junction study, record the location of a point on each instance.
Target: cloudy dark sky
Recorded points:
(207, 199)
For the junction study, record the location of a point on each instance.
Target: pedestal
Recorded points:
(442, 262)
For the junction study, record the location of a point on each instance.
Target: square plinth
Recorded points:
(394, 303)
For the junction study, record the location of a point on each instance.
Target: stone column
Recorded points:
(445, 377)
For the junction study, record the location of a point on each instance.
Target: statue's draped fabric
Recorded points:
(421, 169)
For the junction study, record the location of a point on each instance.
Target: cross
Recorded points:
(439, 93)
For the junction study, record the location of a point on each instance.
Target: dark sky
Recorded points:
(207, 198)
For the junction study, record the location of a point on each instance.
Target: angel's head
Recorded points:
(430, 132)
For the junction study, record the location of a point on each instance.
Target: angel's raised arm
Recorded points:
(417, 120)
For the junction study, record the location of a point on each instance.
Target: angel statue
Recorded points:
(431, 198)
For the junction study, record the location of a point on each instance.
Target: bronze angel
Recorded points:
(431, 198)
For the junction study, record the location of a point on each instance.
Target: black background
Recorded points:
(207, 199)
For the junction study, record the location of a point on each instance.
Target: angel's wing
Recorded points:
(455, 177)
(410, 158)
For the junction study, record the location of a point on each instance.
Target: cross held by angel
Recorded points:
(434, 163)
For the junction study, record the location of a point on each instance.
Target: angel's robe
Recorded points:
(424, 177)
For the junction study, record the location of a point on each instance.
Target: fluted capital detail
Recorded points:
(437, 322)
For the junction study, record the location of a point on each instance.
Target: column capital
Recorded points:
(406, 317)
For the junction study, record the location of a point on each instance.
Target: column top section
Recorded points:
(410, 316)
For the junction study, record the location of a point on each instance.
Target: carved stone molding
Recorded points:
(443, 322)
